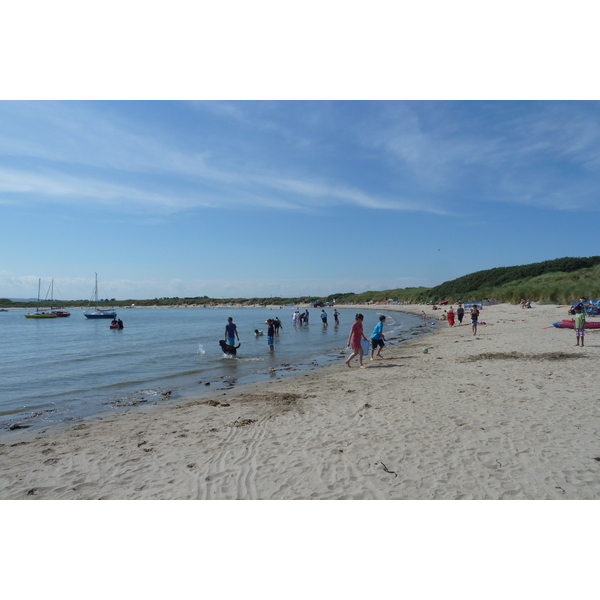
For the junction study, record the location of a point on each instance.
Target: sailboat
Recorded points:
(57, 311)
(98, 313)
(40, 314)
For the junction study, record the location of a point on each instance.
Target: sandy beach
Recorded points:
(510, 413)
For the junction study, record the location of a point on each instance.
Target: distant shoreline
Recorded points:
(107, 306)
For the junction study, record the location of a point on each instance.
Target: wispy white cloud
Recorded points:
(66, 189)
(60, 152)
(314, 192)
(545, 154)
(93, 141)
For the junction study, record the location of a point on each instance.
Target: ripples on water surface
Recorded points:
(64, 368)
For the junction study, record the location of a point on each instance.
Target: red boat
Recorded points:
(61, 313)
(568, 324)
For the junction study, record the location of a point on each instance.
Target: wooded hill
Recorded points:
(560, 281)
(501, 280)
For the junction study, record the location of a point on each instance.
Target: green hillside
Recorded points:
(494, 279)
(563, 280)
(556, 288)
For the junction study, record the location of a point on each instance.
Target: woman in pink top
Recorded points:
(354, 340)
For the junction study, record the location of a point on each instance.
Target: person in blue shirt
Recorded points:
(324, 318)
(377, 338)
(231, 332)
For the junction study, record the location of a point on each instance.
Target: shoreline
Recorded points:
(509, 413)
(206, 382)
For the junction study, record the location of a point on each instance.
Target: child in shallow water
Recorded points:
(270, 334)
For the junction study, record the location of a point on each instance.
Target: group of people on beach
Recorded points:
(460, 313)
(274, 325)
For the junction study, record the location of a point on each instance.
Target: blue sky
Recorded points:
(290, 198)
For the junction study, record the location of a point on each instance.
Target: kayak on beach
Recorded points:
(568, 324)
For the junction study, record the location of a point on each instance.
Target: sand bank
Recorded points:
(511, 413)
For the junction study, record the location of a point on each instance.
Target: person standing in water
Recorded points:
(324, 317)
(270, 335)
(354, 341)
(231, 332)
(336, 316)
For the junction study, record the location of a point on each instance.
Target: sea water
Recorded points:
(55, 370)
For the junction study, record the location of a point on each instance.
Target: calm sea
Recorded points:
(53, 370)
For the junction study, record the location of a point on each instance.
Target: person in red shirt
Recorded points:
(354, 341)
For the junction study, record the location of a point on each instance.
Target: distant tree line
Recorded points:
(562, 280)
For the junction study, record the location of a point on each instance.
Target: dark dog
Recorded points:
(227, 349)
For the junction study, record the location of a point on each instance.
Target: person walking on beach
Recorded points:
(474, 319)
(579, 325)
(354, 340)
(460, 313)
(450, 317)
(324, 318)
(231, 332)
(270, 334)
(377, 338)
